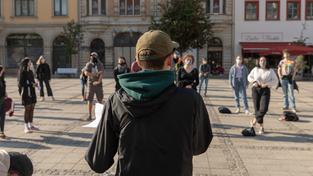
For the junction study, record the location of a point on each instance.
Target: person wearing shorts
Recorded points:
(94, 71)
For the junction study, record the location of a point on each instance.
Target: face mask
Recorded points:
(188, 62)
(238, 61)
(262, 64)
(122, 63)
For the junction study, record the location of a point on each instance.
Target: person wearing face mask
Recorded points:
(263, 79)
(205, 70)
(188, 75)
(121, 68)
(94, 71)
(287, 72)
(26, 87)
(238, 82)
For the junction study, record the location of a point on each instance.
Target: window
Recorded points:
(129, 7)
(309, 10)
(215, 6)
(60, 7)
(293, 10)
(96, 7)
(252, 10)
(272, 10)
(24, 7)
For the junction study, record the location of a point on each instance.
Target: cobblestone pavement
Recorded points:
(58, 149)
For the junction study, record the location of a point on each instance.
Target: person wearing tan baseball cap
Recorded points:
(155, 126)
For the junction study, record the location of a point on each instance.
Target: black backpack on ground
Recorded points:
(224, 110)
(248, 132)
(290, 116)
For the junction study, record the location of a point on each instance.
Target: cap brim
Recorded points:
(175, 45)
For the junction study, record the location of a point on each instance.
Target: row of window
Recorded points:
(293, 10)
(27, 7)
(126, 7)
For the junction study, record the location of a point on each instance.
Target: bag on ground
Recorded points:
(290, 116)
(248, 132)
(224, 110)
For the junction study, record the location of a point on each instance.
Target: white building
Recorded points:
(266, 27)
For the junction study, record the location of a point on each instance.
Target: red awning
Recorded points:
(267, 48)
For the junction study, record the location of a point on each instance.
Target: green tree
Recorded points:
(73, 34)
(186, 22)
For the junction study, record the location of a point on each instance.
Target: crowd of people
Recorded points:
(141, 119)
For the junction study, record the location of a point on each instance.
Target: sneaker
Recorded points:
(285, 109)
(27, 130)
(42, 99)
(294, 110)
(247, 112)
(261, 131)
(2, 135)
(237, 111)
(33, 128)
(52, 98)
(87, 119)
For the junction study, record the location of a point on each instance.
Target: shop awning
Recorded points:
(267, 48)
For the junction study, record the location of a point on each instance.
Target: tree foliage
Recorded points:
(186, 22)
(73, 34)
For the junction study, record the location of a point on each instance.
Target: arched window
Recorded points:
(22, 45)
(97, 45)
(215, 52)
(124, 45)
(60, 57)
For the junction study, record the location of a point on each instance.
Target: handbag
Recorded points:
(248, 132)
(9, 106)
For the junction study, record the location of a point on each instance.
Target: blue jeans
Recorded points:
(289, 97)
(240, 92)
(205, 80)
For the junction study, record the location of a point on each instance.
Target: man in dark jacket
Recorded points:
(155, 126)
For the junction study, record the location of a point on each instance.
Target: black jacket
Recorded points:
(185, 78)
(26, 87)
(155, 138)
(2, 87)
(43, 72)
(117, 72)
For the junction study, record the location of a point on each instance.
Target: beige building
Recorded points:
(113, 27)
(32, 28)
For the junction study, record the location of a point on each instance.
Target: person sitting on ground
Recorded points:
(15, 164)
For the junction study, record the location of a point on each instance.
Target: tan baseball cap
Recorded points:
(156, 41)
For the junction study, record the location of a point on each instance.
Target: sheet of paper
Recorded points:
(98, 113)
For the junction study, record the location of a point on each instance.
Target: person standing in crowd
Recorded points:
(188, 75)
(83, 83)
(44, 76)
(142, 122)
(15, 164)
(287, 73)
(27, 90)
(238, 74)
(263, 79)
(121, 68)
(205, 70)
(3, 94)
(94, 70)
(135, 67)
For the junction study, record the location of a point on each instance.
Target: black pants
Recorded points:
(49, 91)
(29, 113)
(261, 100)
(2, 117)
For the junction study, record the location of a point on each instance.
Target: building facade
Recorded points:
(266, 27)
(32, 28)
(112, 28)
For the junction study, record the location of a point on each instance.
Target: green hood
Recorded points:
(146, 84)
